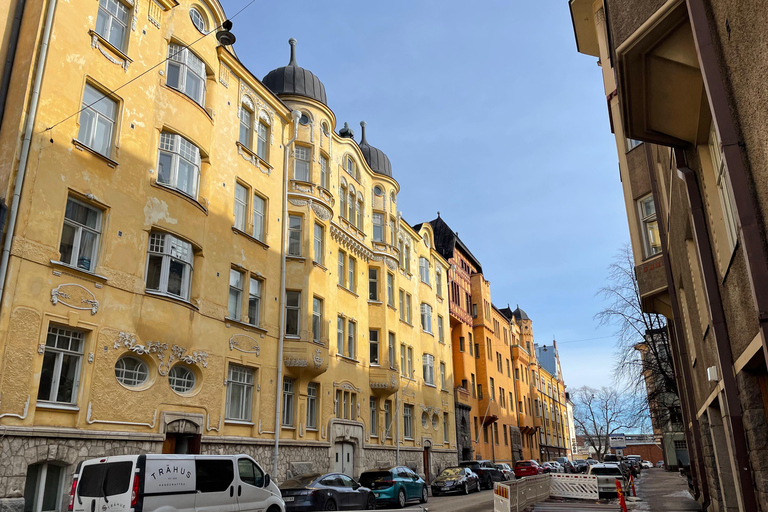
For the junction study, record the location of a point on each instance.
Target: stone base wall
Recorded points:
(756, 427)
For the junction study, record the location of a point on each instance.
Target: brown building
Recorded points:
(685, 87)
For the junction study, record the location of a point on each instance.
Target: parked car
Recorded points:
(548, 468)
(506, 470)
(660, 464)
(180, 482)
(527, 468)
(485, 471)
(646, 464)
(592, 462)
(567, 465)
(397, 485)
(329, 491)
(556, 467)
(611, 457)
(455, 479)
(606, 477)
(580, 466)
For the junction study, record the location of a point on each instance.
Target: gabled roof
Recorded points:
(446, 242)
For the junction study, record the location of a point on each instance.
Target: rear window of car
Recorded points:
(374, 476)
(606, 471)
(522, 463)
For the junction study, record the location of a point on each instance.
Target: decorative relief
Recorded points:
(244, 343)
(90, 357)
(393, 381)
(317, 358)
(248, 157)
(41, 348)
(224, 75)
(321, 212)
(125, 340)
(155, 13)
(75, 296)
(295, 362)
(346, 386)
(379, 385)
(298, 202)
(95, 43)
(350, 243)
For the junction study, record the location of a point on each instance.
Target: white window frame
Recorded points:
(173, 145)
(293, 310)
(442, 376)
(313, 394)
(374, 354)
(378, 226)
(288, 401)
(243, 377)
(294, 235)
(323, 171)
(723, 187)
(408, 421)
(373, 403)
(391, 349)
(73, 335)
(342, 269)
(426, 317)
(646, 220)
(438, 281)
(79, 231)
(95, 116)
(259, 214)
(262, 138)
(198, 20)
(351, 277)
(254, 301)
(440, 331)
(181, 383)
(317, 319)
(235, 302)
(245, 136)
(424, 270)
(173, 249)
(373, 284)
(390, 289)
(351, 351)
(428, 369)
(131, 377)
(187, 62)
(241, 206)
(302, 158)
(319, 243)
(109, 19)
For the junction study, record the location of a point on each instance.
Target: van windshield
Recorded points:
(108, 479)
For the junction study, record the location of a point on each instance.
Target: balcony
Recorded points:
(390, 254)
(460, 313)
(461, 397)
(488, 409)
(652, 286)
(301, 193)
(383, 381)
(304, 357)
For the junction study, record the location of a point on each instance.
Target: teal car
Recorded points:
(397, 485)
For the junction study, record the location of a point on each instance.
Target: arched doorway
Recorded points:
(43, 487)
(182, 437)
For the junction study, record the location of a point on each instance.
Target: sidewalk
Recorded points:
(662, 491)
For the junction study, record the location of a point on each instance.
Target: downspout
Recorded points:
(680, 352)
(725, 360)
(27, 141)
(8, 67)
(751, 239)
(295, 115)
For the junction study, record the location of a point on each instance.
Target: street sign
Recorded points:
(618, 441)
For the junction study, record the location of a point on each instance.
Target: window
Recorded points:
(374, 426)
(97, 121)
(235, 293)
(408, 421)
(511, 401)
(723, 186)
(261, 144)
(317, 319)
(480, 391)
(323, 172)
(378, 227)
(477, 432)
(387, 416)
(312, 394)
(408, 308)
(112, 22)
(424, 270)
(373, 338)
(632, 144)
(239, 393)
(178, 164)
(343, 199)
(350, 167)
(424, 419)
(373, 284)
(493, 390)
(351, 339)
(186, 73)
(44, 484)
(485, 434)
(428, 369)
(472, 376)
(508, 367)
(259, 208)
(391, 350)
(408, 258)
(319, 243)
(246, 127)
(292, 312)
(169, 265)
(249, 473)
(80, 235)
(241, 206)
(440, 334)
(390, 289)
(346, 404)
(442, 376)
(426, 317)
(294, 235)
(181, 379)
(499, 367)
(477, 351)
(461, 344)
(198, 20)
(342, 268)
(288, 402)
(651, 240)
(351, 205)
(392, 232)
(403, 370)
(488, 348)
(438, 281)
(301, 161)
(131, 371)
(254, 301)
(409, 361)
(351, 274)
(474, 310)
(402, 305)
(495, 433)
(340, 335)
(445, 427)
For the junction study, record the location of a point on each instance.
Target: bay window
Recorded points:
(186, 73)
(178, 164)
(169, 265)
(650, 226)
(428, 369)
(292, 313)
(301, 159)
(80, 235)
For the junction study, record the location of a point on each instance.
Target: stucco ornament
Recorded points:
(126, 340)
(75, 296)
(244, 343)
(393, 381)
(296, 362)
(317, 358)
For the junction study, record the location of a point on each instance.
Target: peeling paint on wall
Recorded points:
(156, 210)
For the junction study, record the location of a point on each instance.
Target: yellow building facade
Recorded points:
(551, 415)
(202, 263)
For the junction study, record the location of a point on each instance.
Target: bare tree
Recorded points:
(643, 356)
(598, 413)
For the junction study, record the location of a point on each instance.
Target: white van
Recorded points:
(173, 483)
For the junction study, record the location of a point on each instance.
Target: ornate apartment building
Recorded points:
(198, 261)
(551, 405)
(684, 87)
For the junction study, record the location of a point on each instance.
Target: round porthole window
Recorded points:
(424, 419)
(304, 119)
(131, 371)
(181, 379)
(434, 421)
(377, 190)
(198, 20)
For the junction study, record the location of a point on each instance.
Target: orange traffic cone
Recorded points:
(620, 492)
(632, 483)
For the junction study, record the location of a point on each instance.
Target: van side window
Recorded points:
(214, 475)
(106, 479)
(250, 473)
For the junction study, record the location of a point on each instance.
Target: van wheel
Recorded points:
(401, 499)
(424, 495)
(330, 505)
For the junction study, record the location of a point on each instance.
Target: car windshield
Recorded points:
(366, 479)
(300, 481)
(606, 471)
(452, 472)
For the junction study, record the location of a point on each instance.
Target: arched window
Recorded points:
(198, 20)
(246, 126)
(359, 211)
(343, 199)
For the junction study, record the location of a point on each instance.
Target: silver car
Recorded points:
(606, 477)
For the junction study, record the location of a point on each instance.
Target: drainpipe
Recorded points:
(8, 67)
(749, 228)
(725, 360)
(295, 115)
(680, 352)
(27, 141)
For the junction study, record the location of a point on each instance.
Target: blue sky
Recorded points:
(490, 116)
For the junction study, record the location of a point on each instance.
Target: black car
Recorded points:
(485, 470)
(580, 466)
(330, 491)
(455, 479)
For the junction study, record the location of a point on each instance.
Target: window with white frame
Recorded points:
(294, 235)
(351, 339)
(131, 371)
(426, 317)
(374, 425)
(62, 358)
(359, 210)
(301, 158)
(288, 401)
(319, 243)
(351, 204)
(350, 167)
(292, 313)
(323, 172)
(246, 127)
(181, 379)
(235, 293)
(198, 20)
(391, 350)
(262, 136)
(373, 353)
(443, 383)
(409, 361)
(408, 421)
(440, 333)
(343, 200)
(259, 212)
(390, 289)
(424, 270)
(408, 316)
(340, 335)
(373, 284)
(112, 22)
(169, 265)
(312, 396)
(241, 206)
(438, 281)
(388, 418)
(445, 427)
(254, 301)
(428, 369)
(186, 73)
(378, 227)
(178, 164)
(239, 393)
(97, 121)
(342, 267)
(402, 305)
(723, 187)
(392, 233)
(650, 226)
(403, 370)
(317, 319)
(80, 235)
(351, 281)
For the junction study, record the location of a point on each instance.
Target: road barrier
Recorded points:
(516, 495)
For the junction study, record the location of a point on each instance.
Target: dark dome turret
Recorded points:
(292, 79)
(377, 160)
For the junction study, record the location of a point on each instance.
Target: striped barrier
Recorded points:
(582, 487)
(516, 495)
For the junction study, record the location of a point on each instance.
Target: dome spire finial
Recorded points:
(292, 42)
(363, 140)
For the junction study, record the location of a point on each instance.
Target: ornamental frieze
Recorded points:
(75, 296)
(350, 243)
(158, 349)
(244, 343)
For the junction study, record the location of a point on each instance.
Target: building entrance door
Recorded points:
(427, 475)
(182, 443)
(344, 461)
